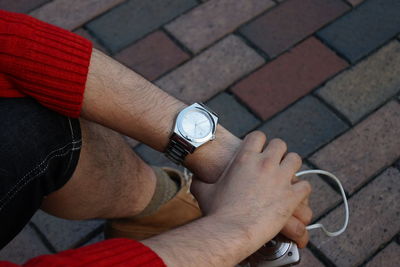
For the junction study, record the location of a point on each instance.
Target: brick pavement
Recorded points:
(321, 74)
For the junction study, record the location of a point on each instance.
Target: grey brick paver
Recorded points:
(366, 28)
(134, 19)
(84, 33)
(63, 234)
(211, 71)
(21, 6)
(211, 21)
(367, 85)
(373, 221)
(364, 150)
(305, 126)
(70, 14)
(292, 21)
(355, 2)
(232, 115)
(389, 256)
(307, 259)
(24, 246)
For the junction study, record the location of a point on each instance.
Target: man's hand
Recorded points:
(247, 207)
(294, 228)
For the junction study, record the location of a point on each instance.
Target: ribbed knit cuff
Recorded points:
(112, 252)
(45, 62)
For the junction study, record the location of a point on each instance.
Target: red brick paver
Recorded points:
(289, 77)
(152, 56)
(209, 22)
(291, 22)
(366, 149)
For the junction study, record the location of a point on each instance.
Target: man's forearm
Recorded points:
(120, 99)
(204, 242)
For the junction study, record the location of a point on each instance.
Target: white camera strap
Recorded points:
(346, 206)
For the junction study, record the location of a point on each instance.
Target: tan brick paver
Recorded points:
(214, 19)
(211, 71)
(364, 150)
(372, 222)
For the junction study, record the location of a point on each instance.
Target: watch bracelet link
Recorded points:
(177, 150)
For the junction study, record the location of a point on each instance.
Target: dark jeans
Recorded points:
(39, 151)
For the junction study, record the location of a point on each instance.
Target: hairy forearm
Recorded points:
(120, 99)
(205, 242)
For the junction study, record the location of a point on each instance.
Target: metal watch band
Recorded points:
(178, 149)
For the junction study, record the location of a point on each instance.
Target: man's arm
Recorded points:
(120, 99)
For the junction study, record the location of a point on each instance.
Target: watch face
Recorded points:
(196, 124)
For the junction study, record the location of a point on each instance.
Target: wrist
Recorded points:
(210, 160)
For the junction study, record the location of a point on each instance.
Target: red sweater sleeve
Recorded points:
(44, 62)
(112, 252)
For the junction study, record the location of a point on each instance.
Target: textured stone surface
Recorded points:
(389, 256)
(366, 86)
(291, 22)
(134, 19)
(307, 259)
(366, 28)
(289, 77)
(355, 2)
(21, 6)
(305, 126)
(364, 150)
(211, 71)
(84, 33)
(397, 165)
(70, 14)
(374, 220)
(24, 246)
(322, 197)
(152, 56)
(63, 234)
(211, 21)
(232, 115)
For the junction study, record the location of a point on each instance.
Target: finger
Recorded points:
(291, 163)
(302, 190)
(306, 201)
(253, 142)
(295, 230)
(275, 150)
(303, 213)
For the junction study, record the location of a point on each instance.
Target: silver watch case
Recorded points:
(196, 142)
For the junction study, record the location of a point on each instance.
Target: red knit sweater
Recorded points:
(51, 65)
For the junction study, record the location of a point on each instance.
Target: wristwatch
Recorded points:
(195, 125)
